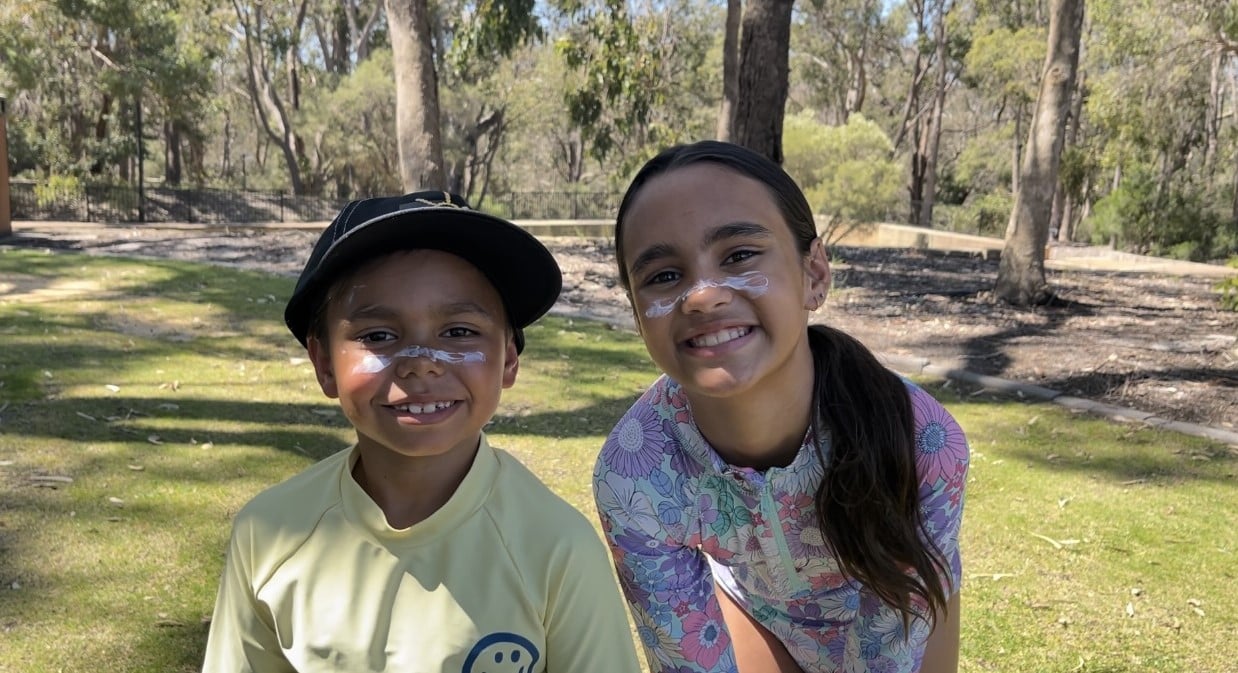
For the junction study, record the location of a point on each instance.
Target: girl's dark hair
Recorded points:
(868, 503)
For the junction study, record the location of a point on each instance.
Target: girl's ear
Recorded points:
(817, 276)
(320, 355)
(511, 362)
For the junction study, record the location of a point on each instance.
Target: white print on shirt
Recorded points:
(501, 653)
(754, 283)
(373, 363)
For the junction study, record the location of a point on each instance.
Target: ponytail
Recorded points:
(868, 503)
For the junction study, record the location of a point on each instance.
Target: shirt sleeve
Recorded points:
(242, 637)
(667, 584)
(586, 627)
(942, 458)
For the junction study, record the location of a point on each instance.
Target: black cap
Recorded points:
(521, 269)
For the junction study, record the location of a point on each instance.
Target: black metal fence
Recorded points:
(123, 203)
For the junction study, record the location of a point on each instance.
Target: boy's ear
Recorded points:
(511, 362)
(817, 276)
(320, 355)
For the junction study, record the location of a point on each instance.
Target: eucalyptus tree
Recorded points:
(1021, 273)
(645, 78)
(763, 77)
(80, 70)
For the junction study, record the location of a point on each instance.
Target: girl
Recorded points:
(778, 500)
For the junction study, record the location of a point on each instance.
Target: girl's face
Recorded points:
(720, 291)
(417, 351)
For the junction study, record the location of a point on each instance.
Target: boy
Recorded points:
(421, 547)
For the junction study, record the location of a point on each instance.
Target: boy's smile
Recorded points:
(417, 351)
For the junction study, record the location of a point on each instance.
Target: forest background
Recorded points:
(914, 111)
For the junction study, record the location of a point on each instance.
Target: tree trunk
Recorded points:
(1063, 201)
(1212, 121)
(1016, 147)
(1021, 274)
(933, 130)
(172, 165)
(730, 70)
(418, 135)
(764, 45)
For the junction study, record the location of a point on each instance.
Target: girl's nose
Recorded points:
(706, 296)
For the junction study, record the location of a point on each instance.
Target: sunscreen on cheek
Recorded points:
(752, 283)
(373, 363)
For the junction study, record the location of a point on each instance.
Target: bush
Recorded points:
(1178, 222)
(845, 171)
(57, 190)
(984, 214)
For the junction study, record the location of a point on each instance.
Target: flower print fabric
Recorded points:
(670, 506)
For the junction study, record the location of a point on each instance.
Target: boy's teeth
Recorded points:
(720, 337)
(424, 408)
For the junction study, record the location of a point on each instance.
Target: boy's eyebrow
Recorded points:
(378, 311)
(732, 230)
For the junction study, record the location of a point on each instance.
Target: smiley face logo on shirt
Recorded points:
(501, 653)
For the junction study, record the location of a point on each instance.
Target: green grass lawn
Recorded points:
(142, 403)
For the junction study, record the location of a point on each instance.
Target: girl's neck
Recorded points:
(763, 427)
(410, 489)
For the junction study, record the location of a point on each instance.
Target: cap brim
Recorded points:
(521, 269)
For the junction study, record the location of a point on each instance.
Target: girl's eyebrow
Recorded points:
(722, 233)
(735, 230)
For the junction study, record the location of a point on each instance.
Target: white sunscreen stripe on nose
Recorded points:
(372, 364)
(754, 283)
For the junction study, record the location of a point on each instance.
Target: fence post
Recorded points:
(281, 206)
(86, 191)
(6, 215)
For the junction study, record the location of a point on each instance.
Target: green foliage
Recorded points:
(642, 77)
(357, 121)
(1171, 218)
(845, 171)
(983, 214)
(1228, 288)
(57, 189)
(984, 164)
(490, 31)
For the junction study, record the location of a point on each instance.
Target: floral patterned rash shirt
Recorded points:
(669, 505)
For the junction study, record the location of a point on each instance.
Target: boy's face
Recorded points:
(417, 350)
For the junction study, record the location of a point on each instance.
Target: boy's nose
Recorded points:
(417, 365)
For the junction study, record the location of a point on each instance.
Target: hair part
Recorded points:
(868, 504)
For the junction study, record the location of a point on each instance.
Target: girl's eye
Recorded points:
(739, 256)
(458, 332)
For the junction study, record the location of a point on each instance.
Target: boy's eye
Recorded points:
(662, 277)
(376, 337)
(458, 332)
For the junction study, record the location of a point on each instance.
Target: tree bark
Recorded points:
(1063, 202)
(763, 80)
(1021, 273)
(730, 70)
(418, 134)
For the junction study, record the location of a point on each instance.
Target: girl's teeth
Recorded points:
(720, 337)
(424, 408)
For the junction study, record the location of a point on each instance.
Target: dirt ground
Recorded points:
(1152, 342)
